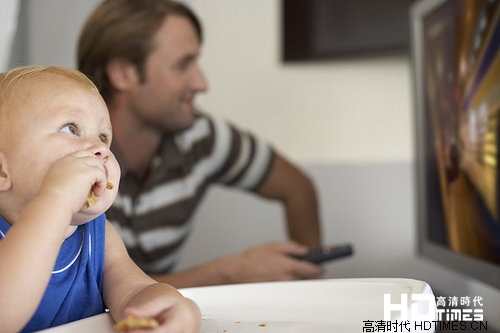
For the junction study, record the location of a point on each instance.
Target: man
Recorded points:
(143, 54)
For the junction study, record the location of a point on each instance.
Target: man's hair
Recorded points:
(124, 29)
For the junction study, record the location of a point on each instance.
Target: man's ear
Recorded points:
(5, 180)
(122, 74)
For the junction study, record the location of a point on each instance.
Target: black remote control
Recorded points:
(322, 254)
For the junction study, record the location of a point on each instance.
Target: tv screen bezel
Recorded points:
(469, 266)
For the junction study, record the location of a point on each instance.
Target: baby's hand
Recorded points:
(70, 179)
(173, 314)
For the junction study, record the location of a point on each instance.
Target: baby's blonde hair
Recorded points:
(10, 79)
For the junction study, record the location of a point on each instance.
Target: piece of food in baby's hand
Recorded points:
(92, 199)
(132, 322)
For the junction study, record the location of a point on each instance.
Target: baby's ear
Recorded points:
(5, 181)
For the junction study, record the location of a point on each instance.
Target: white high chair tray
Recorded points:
(320, 306)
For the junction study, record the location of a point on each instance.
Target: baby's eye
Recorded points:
(104, 138)
(70, 129)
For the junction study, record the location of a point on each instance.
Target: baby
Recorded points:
(60, 259)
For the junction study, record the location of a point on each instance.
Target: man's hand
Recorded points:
(267, 262)
(270, 262)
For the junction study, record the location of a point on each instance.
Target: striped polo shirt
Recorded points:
(153, 213)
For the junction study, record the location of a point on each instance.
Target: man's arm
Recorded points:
(267, 262)
(287, 183)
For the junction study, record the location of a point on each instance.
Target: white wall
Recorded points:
(349, 110)
(8, 25)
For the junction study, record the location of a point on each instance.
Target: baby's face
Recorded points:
(49, 118)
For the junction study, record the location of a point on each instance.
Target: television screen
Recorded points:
(456, 67)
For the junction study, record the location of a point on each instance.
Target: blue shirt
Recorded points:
(75, 289)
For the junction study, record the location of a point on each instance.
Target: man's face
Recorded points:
(172, 78)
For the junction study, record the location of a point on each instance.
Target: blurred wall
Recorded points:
(8, 23)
